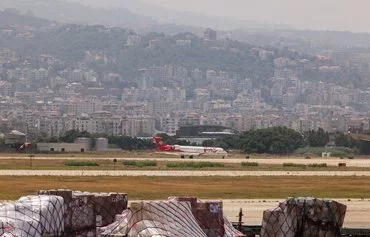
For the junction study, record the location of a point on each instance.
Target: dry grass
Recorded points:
(150, 188)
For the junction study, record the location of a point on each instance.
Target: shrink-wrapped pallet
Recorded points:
(210, 217)
(107, 206)
(159, 219)
(85, 211)
(82, 211)
(33, 216)
(67, 197)
(305, 217)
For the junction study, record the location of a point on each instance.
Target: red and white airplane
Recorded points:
(189, 151)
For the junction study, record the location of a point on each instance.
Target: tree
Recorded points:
(208, 143)
(317, 138)
(345, 141)
(130, 143)
(276, 140)
(70, 136)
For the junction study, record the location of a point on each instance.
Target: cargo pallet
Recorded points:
(254, 231)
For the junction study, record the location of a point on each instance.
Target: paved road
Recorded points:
(273, 160)
(179, 173)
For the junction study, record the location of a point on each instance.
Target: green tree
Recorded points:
(130, 143)
(70, 136)
(345, 141)
(270, 140)
(208, 143)
(317, 138)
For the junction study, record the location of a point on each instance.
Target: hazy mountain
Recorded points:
(70, 12)
(186, 18)
(11, 18)
(128, 13)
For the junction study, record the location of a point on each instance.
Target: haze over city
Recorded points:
(341, 15)
(245, 101)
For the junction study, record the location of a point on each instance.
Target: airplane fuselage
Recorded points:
(190, 151)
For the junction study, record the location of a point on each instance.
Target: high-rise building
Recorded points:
(210, 35)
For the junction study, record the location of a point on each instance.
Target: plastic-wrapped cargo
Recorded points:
(230, 231)
(304, 217)
(82, 211)
(67, 196)
(33, 216)
(155, 219)
(210, 217)
(85, 211)
(107, 206)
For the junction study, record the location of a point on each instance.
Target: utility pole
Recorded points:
(31, 156)
(240, 223)
(114, 162)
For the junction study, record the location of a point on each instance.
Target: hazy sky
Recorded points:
(350, 15)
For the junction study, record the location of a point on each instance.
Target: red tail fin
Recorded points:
(158, 141)
(161, 146)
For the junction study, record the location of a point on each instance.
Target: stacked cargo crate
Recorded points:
(85, 211)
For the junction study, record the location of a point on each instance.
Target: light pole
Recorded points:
(31, 156)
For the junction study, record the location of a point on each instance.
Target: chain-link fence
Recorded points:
(304, 217)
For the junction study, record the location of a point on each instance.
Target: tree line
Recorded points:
(282, 140)
(275, 140)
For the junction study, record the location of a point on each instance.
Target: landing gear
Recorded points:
(182, 157)
(191, 157)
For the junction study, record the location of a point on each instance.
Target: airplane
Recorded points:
(189, 151)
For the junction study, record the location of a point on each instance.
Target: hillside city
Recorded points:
(117, 82)
(198, 118)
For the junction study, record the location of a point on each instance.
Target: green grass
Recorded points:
(80, 163)
(249, 164)
(294, 165)
(140, 163)
(194, 165)
(322, 165)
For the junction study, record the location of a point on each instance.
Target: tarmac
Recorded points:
(357, 162)
(357, 215)
(181, 173)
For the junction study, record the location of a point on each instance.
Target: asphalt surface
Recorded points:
(357, 215)
(358, 162)
(81, 173)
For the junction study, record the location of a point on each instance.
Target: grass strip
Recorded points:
(80, 163)
(140, 163)
(194, 165)
(253, 164)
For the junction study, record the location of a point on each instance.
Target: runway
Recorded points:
(185, 173)
(358, 162)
